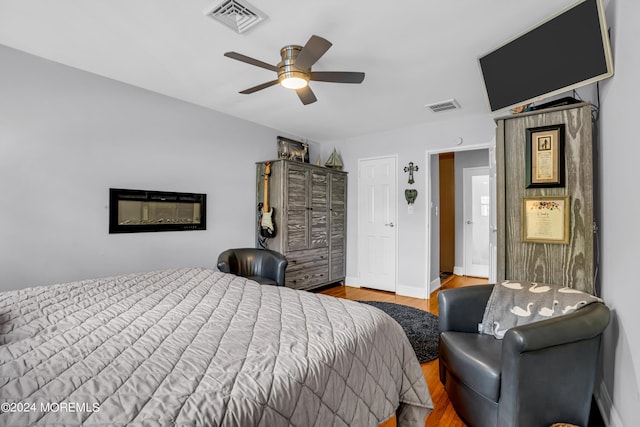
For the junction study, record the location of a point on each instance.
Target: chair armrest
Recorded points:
(224, 267)
(461, 309)
(224, 262)
(583, 324)
(274, 267)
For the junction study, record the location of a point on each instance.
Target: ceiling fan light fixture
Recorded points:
(294, 71)
(295, 81)
(289, 75)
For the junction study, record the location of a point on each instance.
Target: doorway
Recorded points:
(468, 157)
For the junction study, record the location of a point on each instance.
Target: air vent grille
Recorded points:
(235, 14)
(450, 104)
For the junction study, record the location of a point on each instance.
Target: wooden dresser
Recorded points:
(310, 219)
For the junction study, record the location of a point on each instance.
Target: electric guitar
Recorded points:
(267, 226)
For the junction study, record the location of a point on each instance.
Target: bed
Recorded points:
(197, 347)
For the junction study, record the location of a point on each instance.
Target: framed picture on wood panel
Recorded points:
(546, 219)
(545, 156)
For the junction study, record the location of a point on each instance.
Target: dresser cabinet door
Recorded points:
(337, 225)
(297, 208)
(319, 210)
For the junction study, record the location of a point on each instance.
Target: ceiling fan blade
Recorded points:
(243, 58)
(337, 76)
(306, 95)
(259, 87)
(311, 52)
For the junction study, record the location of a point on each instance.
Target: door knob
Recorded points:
(469, 222)
(389, 224)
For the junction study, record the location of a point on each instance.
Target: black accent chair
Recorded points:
(540, 373)
(265, 266)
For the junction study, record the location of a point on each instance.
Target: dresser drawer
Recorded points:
(306, 259)
(307, 278)
(307, 268)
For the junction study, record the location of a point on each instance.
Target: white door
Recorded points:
(377, 237)
(477, 211)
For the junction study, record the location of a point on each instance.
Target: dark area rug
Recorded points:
(420, 326)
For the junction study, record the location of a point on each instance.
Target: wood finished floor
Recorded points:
(443, 413)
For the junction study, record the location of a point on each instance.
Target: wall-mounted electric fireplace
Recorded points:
(136, 211)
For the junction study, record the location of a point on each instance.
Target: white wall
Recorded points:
(67, 136)
(619, 150)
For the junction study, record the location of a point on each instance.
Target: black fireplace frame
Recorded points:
(118, 194)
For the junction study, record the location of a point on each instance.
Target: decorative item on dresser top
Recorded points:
(334, 161)
(310, 208)
(293, 150)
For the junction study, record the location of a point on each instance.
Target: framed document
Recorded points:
(545, 156)
(545, 219)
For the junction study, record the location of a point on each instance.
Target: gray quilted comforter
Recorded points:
(196, 347)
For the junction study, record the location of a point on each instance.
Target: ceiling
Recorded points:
(413, 53)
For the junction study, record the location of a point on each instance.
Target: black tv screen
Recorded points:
(569, 50)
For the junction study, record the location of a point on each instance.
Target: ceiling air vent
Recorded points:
(235, 14)
(449, 104)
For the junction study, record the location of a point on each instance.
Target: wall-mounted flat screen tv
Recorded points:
(567, 51)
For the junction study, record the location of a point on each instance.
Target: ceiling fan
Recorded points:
(294, 71)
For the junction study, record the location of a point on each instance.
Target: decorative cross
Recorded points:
(411, 168)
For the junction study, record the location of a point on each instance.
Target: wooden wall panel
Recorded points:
(572, 264)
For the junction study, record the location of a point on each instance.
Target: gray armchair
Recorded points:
(539, 374)
(265, 266)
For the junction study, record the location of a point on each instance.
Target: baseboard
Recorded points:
(407, 291)
(605, 405)
(435, 285)
(458, 271)
(411, 291)
(352, 281)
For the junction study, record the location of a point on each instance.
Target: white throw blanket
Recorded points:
(518, 303)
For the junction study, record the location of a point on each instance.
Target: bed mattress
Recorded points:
(196, 347)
